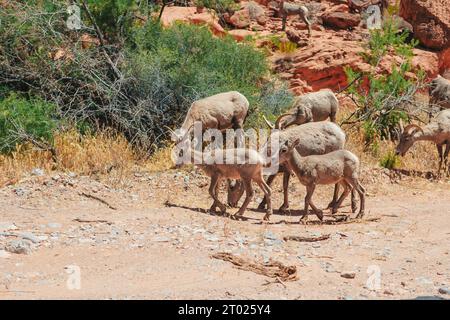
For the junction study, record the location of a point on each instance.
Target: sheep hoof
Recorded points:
(283, 209)
(261, 206)
(319, 214)
(267, 216)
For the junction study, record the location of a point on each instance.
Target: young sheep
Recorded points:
(437, 131)
(340, 166)
(243, 164)
(286, 9)
(311, 107)
(315, 138)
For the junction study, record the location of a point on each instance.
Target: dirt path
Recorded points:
(149, 249)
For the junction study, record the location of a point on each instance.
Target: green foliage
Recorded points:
(390, 160)
(188, 63)
(383, 104)
(217, 5)
(116, 17)
(20, 117)
(283, 46)
(158, 72)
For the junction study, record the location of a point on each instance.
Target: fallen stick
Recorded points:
(272, 269)
(91, 221)
(306, 239)
(90, 196)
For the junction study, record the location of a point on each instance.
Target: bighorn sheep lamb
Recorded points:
(437, 131)
(339, 166)
(286, 9)
(315, 138)
(439, 90)
(244, 164)
(221, 111)
(311, 107)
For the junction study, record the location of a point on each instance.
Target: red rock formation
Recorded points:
(430, 19)
(341, 20)
(189, 14)
(321, 64)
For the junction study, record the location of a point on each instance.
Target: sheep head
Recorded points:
(407, 138)
(298, 116)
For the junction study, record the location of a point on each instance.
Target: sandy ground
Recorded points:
(157, 241)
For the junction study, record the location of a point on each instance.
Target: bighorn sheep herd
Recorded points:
(309, 146)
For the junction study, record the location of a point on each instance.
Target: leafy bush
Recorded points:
(390, 160)
(135, 84)
(217, 5)
(22, 119)
(176, 66)
(383, 100)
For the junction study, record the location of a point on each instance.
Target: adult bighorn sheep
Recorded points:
(315, 138)
(437, 131)
(286, 9)
(243, 164)
(339, 166)
(439, 91)
(311, 107)
(221, 111)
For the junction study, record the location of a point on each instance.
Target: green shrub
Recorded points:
(158, 72)
(386, 101)
(219, 6)
(390, 160)
(21, 117)
(176, 66)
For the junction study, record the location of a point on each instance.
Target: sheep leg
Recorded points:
(216, 192)
(333, 117)
(309, 192)
(341, 198)
(335, 196)
(362, 196)
(441, 158)
(354, 201)
(308, 23)
(248, 197)
(447, 151)
(269, 182)
(283, 19)
(267, 194)
(213, 192)
(285, 205)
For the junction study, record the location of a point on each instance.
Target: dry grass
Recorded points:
(99, 154)
(109, 156)
(161, 160)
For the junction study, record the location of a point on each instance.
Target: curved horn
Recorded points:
(401, 125)
(277, 123)
(415, 126)
(271, 126)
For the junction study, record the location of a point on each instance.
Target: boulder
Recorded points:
(256, 13)
(444, 60)
(240, 34)
(362, 5)
(430, 20)
(189, 14)
(341, 20)
(240, 19)
(321, 64)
